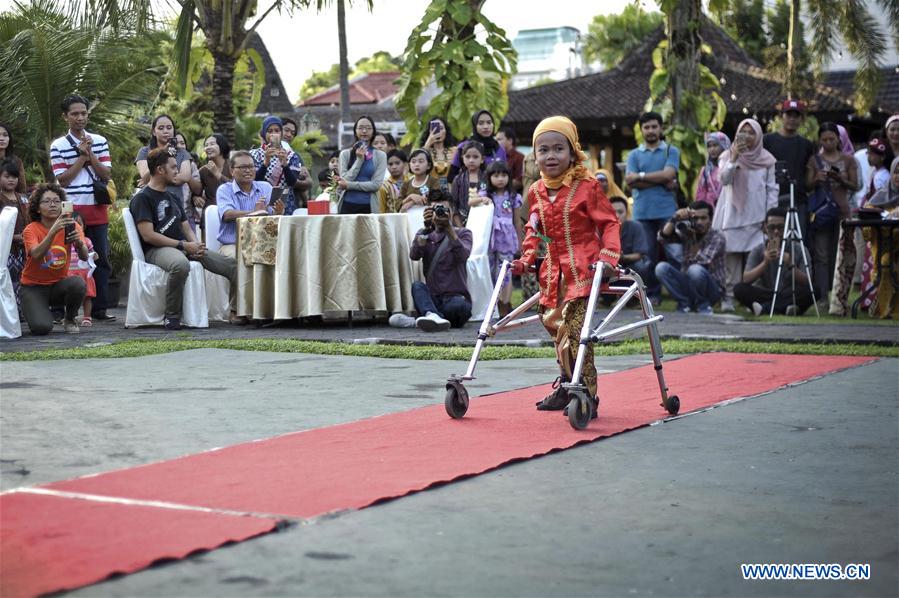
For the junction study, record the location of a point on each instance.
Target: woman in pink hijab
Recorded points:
(748, 191)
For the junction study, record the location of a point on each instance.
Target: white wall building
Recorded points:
(554, 53)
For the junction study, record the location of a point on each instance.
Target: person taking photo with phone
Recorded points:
(48, 249)
(276, 164)
(361, 171)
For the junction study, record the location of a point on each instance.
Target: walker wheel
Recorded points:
(456, 401)
(673, 405)
(580, 410)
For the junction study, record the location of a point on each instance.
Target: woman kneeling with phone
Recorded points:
(45, 279)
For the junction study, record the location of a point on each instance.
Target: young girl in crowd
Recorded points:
(709, 187)
(162, 134)
(483, 128)
(439, 141)
(414, 191)
(10, 196)
(569, 210)
(505, 236)
(216, 170)
(84, 270)
(470, 183)
(748, 190)
(379, 141)
(389, 193)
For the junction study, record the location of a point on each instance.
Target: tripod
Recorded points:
(792, 234)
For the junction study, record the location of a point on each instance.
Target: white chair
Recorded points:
(480, 283)
(147, 286)
(415, 221)
(217, 286)
(10, 327)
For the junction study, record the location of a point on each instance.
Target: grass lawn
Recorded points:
(138, 348)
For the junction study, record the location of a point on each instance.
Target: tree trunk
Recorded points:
(684, 54)
(223, 95)
(793, 45)
(345, 115)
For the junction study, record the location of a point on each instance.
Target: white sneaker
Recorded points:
(431, 322)
(727, 307)
(401, 321)
(792, 310)
(757, 308)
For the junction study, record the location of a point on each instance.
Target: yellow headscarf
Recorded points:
(614, 189)
(560, 124)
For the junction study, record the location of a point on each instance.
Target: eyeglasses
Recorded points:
(51, 202)
(774, 227)
(245, 167)
(364, 128)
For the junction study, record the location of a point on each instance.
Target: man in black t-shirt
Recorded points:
(789, 146)
(167, 239)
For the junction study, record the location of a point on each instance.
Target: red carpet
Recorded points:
(51, 543)
(354, 465)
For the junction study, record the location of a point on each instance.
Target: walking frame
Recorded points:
(580, 407)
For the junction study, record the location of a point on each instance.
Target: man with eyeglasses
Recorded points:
(757, 289)
(241, 197)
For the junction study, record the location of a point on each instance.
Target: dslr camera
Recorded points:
(684, 229)
(782, 174)
(440, 210)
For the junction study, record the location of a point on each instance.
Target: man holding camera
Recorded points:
(757, 289)
(443, 300)
(167, 239)
(700, 281)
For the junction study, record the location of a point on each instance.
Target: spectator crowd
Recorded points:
(768, 212)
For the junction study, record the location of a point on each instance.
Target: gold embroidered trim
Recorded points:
(548, 260)
(566, 226)
(610, 253)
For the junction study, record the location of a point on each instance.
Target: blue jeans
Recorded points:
(696, 289)
(99, 236)
(673, 253)
(455, 308)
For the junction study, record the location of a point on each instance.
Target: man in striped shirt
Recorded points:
(77, 158)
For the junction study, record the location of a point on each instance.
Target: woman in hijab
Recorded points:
(483, 128)
(748, 191)
(709, 187)
(276, 163)
(571, 213)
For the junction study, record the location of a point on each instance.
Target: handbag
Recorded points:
(823, 210)
(102, 195)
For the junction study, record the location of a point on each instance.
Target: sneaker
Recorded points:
(757, 308)
(57, 320)
(683, 309)
(727, 307)
(705, 311)
(555, 400)
(172, 323)
(71, 327)
(102, 316)
(792, 310)
(431, 322)
(401, 321)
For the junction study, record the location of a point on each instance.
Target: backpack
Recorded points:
(823, 210)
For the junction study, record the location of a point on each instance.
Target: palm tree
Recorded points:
(45, 55)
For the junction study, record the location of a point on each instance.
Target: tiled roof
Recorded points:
(887, 97)
(371, 88)
(619, 94)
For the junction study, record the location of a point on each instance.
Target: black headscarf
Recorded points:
(490, 144)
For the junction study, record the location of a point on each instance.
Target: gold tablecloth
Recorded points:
(323, 264)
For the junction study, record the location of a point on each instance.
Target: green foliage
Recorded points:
(808, 128)
(319, 81)
(703, 106)
(140, 348)
(45, 56)
(610, 38)
(744, 21)
(309, 145)
(379, 62)
(469, 59)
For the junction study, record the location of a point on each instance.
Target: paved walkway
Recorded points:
(375, 330)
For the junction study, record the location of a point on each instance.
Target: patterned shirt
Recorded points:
(706, 251)
(80, 190)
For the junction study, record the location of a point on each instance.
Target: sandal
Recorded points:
(86, 322)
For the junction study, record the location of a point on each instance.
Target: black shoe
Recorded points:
(102, 316)
(555, 400)
(593, 415)
(172, 324)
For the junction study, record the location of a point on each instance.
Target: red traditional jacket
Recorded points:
(579, 227)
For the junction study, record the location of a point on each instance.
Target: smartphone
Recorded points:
(274, 140)
(66, 210)
(435, 126)
(277, 192)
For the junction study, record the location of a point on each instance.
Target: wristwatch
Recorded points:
(180, 245)
(642, 175)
